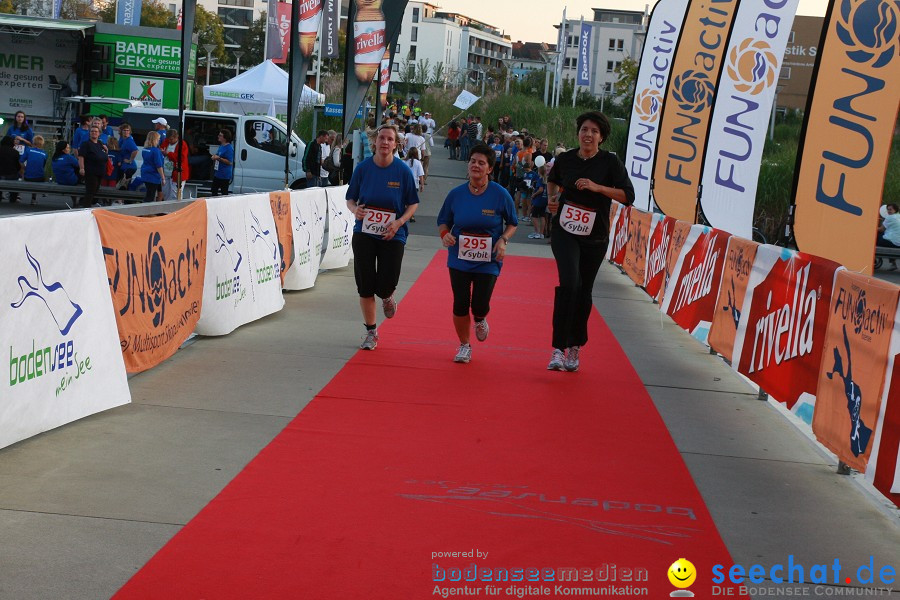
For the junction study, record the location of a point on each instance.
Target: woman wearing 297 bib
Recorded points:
(476, 222)
(580, 188)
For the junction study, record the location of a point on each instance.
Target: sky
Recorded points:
(533, 20)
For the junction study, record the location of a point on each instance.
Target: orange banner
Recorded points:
(155, 267)
(680, 231)
(635, 264)
(854, 362)
(281, 210)
(738, 263)
(688, 107)
(847, 134)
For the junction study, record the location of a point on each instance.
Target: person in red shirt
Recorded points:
(453, 139)
(173, 142)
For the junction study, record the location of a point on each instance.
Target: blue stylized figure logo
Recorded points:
(859, 433)
(54, 296)
(224, 243)
(262, 234)
(732, 305)
(693, 91)
(869, 29)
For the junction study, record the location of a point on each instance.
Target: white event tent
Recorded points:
(254, 91)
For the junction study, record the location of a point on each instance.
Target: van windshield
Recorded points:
(265, 136)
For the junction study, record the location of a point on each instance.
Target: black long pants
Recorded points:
(220, 186)
(577, 261)
(376, 265)
(91, 185)
(472, 289)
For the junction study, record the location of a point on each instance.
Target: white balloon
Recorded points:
(882, 211)
(539, 161)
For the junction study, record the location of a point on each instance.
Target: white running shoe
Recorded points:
(389, 306)
(463, 354)
(370, 341)
(557, 360)
(572, 358)
(482, 329)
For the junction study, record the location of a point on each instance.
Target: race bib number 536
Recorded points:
(476, 247)
(577, 220)
(377, 221)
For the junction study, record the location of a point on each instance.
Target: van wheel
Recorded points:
(299, 184)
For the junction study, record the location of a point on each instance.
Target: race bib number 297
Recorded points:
(377, 221)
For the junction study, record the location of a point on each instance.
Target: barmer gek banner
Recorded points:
(848, 132)
(584, 55)
(57, 325)
(740, 120)
(657, 57)
(688, 107)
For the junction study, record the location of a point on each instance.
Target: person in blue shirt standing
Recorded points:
(223, 170)
(35, 160)
(476, 223)
(382, 196)
(82, 134)
(128, 150)
(20, 131)
(152, 172)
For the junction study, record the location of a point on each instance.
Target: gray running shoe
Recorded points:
(463, 354)
(482, 329)
(572, 358)
(370, 341)
(389, 305)
(557, 360)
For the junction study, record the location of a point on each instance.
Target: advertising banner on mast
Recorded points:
(330, 27)
(688, 107)
(584, 55)
(743, 107)
(657, 56)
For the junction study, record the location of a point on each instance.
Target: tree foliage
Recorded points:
(156, 14)
(7, 7)
(209, 30)
(254, 45)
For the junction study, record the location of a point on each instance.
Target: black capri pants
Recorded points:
(577, 260)
(376, 265)
(472, 289)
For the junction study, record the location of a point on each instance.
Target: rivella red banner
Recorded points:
(636, 249)
(782, 328)
(661, 228)
(883, 470)
(618, 240)
(693, 287)
(860, 324)
(732, 291)
(680, 231)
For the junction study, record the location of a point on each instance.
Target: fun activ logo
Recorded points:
(647, 105)
(752, 65)
(869, 29)
(693, 91)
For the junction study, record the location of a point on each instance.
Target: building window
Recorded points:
(414, 35)
(610, 66)
(247, 3)
(607, 88)
(396, 68)
(412, 53)
(237, 17)
(234, 37)
(415, 15)
(791, 37)
(785, 73)
(616, 45)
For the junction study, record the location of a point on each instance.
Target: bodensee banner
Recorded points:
(337, 251)
(309, 209)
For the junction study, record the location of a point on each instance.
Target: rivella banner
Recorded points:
(680, 232)
(243, 267)
(743, 107)
(847, 132)
(732, 290)
(57, 325)
(688, 105)
(657, 56)
(155, 267)
(618, 236)
(309, 209)
(693, 287)
(883, 468)
(860, 325)
(635, 264)
(338, 251)
(658, 253)
(781, 332)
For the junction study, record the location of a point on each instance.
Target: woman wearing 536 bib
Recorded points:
(383, 196)
(476, 222)
(580, 187)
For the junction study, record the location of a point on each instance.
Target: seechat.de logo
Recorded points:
(682, 575)
(693, 91)
(647, 105)
(869, 29)
(751, 65)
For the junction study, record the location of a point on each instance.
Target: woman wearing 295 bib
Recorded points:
(580, 188)
(476, 222)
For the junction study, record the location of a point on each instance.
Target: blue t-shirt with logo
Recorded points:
(390, 188)
(498, 151)
(153, 161)
(35, 160)
(15, 132)
(221, 170)
(490, 213)
(540, 200)
(65, 169)
(126, 147)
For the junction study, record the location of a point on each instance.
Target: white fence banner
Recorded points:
(740, 118)
(309, 208)
(243, 267)
(650, 90)
(340, 230)
(57, 325)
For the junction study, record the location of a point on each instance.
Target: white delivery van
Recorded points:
(260, 144)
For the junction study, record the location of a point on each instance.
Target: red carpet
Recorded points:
(406, 454)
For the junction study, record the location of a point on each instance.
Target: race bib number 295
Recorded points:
(475, 247)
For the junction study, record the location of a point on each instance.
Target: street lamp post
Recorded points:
(238, 54)
(209, 48)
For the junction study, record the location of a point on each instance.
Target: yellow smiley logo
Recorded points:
(682, 573)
